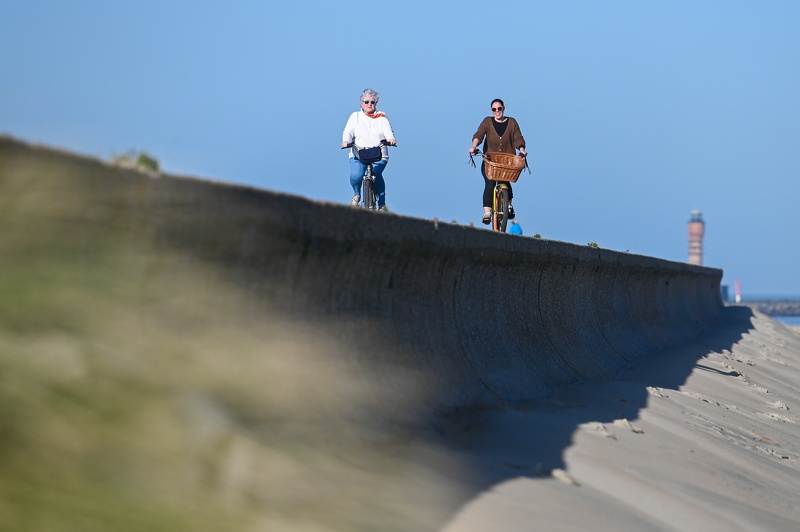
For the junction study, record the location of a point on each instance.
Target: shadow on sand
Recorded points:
(530, 440)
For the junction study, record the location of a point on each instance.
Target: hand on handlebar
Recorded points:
(473, 151)
(391, 142)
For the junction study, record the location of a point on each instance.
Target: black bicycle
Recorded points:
(368, 156)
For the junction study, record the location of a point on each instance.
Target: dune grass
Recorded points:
(141, 390)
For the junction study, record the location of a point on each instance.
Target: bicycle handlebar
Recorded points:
(383, 142)
(478, 152)
(472, 155)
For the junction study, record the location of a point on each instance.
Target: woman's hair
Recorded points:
(371, 94)
(498, 100)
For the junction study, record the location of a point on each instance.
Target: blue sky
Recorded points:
(635, 112)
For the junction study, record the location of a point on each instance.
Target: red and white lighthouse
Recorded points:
(697, 228)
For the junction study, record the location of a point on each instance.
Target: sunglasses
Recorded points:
(497, 109)
(373, 102)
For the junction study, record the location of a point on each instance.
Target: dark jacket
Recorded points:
(512, 139)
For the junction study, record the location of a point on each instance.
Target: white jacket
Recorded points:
(367, 132)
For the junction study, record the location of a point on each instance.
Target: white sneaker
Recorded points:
(355, 200)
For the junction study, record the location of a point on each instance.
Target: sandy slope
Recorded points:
(718, 452)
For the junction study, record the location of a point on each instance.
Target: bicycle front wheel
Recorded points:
(500, 215)
(368, 194)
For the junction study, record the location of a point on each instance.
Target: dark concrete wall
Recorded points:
(479, 318)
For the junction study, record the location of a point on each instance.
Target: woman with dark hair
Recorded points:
(499, 133)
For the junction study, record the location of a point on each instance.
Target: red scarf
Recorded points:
(376, 114)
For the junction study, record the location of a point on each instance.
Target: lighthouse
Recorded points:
(696, 229)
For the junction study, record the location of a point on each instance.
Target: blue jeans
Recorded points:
(357, 171)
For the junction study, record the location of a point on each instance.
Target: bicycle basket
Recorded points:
(503, 166)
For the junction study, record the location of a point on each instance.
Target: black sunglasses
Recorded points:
(373, 102)
(497, 108)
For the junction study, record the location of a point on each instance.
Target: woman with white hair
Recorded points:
(366, 128)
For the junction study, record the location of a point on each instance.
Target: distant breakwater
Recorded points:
(780, 307)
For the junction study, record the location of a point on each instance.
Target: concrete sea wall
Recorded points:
(477, 318)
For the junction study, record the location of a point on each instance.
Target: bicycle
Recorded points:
(368, 156)
(502, 168)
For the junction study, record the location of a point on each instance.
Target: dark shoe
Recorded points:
(511, 214)
(487, 218)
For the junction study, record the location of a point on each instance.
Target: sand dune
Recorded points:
(719, 451)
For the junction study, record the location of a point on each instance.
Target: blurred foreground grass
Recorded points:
(141, 390)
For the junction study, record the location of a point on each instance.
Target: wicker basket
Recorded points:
(503, 166)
